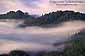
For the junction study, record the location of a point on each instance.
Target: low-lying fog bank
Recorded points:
(36, 38)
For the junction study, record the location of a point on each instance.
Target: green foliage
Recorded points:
(56, 17)
(15, 15)
(51, 18)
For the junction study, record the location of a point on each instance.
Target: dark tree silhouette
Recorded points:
(55, 18)
(18, 53)
(15, 15)
(50, 18)
(4, 55)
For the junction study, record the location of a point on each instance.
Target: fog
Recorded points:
(34, 37)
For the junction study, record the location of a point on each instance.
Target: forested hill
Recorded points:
(63, 16)
(50, 18)
(15, 15)
(56, 17)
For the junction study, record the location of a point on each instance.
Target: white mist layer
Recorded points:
(35, 38)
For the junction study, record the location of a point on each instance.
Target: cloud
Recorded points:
(35, 38)
(30, 3)
(38, 34)
(8, 45)
(2, 8)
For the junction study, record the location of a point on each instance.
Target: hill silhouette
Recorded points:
(55, 18)
(15, 15)
(50, 18)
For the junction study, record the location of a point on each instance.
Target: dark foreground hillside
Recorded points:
(77, 48)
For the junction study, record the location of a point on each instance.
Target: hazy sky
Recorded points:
(37, 6)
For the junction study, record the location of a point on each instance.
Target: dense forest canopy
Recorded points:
(50, 18)
(55, 18)
(15, 15)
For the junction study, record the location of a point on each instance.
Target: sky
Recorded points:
(38, 6)
(36, 36)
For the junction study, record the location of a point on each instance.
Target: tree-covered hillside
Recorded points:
(50, 18)
(55, 18)
(15, 15)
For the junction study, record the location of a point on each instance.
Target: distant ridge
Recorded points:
(50, 18)
(55, 18)
(15, 15)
